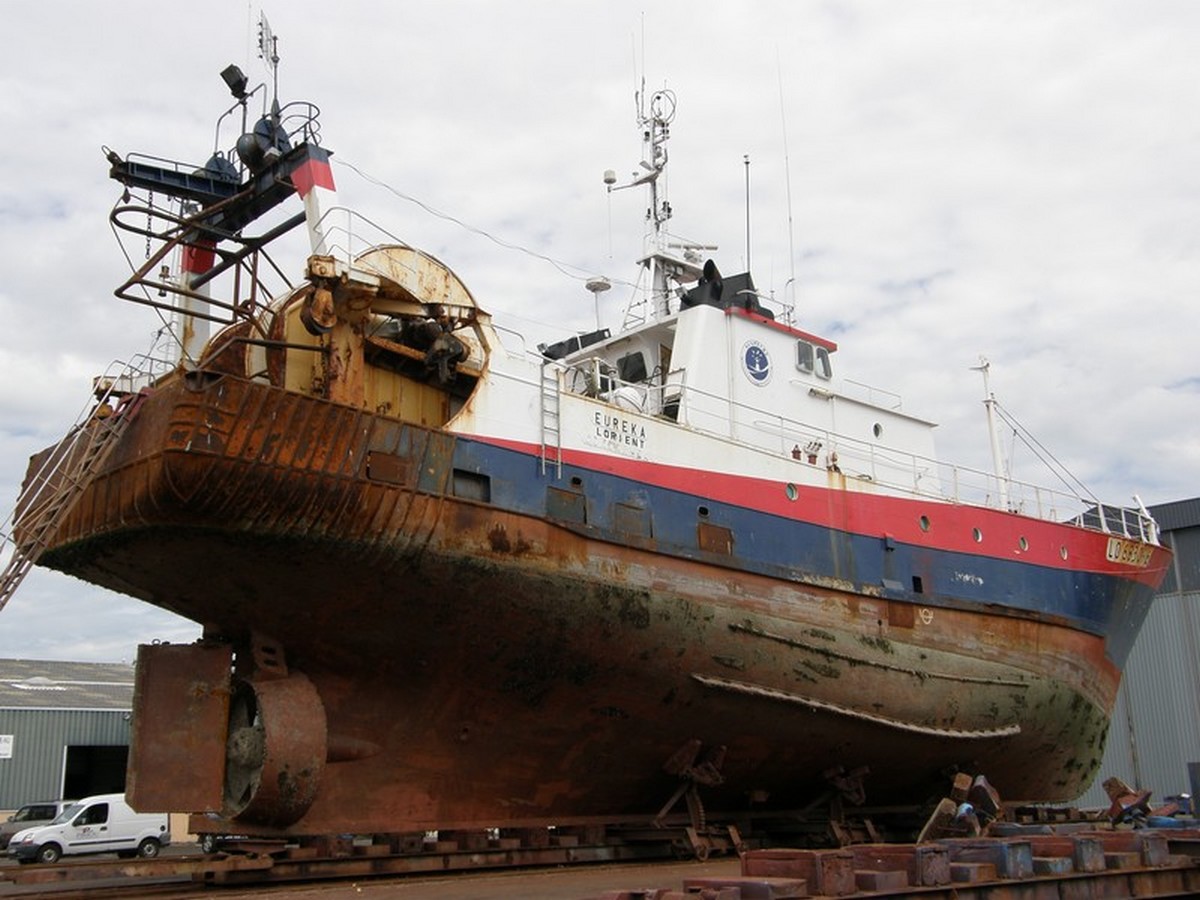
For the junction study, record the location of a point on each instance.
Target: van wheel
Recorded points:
(49, 853)
(148, 849)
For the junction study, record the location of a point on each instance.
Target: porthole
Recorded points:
(703, 511)
(977, 534)
(1022, 543)
(878, 430)
(924, 523)
(1062, 551)
(792, 491)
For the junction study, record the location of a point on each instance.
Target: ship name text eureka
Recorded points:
(620, 430)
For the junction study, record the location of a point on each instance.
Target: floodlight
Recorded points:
(236, 79)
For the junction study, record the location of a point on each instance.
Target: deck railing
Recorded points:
(50, 493)
(889, 470)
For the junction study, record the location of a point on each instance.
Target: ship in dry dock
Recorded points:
(450, 580)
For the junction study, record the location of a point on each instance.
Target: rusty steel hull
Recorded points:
(470, 665)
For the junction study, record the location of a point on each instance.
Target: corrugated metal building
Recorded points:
(1154, 740)
(64, 729)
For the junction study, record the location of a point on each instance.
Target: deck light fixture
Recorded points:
(236, 79)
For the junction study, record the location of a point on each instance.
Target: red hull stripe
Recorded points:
(313, 172)
(951, 527)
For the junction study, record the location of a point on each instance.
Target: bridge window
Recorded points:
(812, 359)
(632, 367)
(804, 357)
(824, 364)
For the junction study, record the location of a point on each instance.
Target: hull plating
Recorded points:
(503, 657)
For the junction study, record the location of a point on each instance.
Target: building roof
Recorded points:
(1178, 514)
(51, 684)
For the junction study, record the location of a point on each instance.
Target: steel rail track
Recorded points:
(1143, 863)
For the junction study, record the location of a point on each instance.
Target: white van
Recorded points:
(29, 815)
(100, 824)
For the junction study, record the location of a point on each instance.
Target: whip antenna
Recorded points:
(787, 179)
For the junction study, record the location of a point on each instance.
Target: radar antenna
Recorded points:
(663, 266)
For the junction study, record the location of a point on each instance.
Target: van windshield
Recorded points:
(34, 812)
(67, 814)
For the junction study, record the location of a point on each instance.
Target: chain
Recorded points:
(149, 222)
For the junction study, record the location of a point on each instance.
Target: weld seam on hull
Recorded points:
(859, 661)
(757, 690)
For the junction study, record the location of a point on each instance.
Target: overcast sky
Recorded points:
(1012, 179)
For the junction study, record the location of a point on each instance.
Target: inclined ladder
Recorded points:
(551, 436)
(54, 489)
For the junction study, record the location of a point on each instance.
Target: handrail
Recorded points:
(49, 494)
(346, 243)
(854, 457)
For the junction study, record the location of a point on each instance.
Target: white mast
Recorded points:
(664, 267)
(989, 402)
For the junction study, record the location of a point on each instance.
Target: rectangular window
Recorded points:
(632, 367)
(824, 364)
(804, 357)
(472, 486)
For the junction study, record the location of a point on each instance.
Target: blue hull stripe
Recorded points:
(799, 552)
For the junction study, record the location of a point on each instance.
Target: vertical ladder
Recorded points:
(551, 435)
(54, 489)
